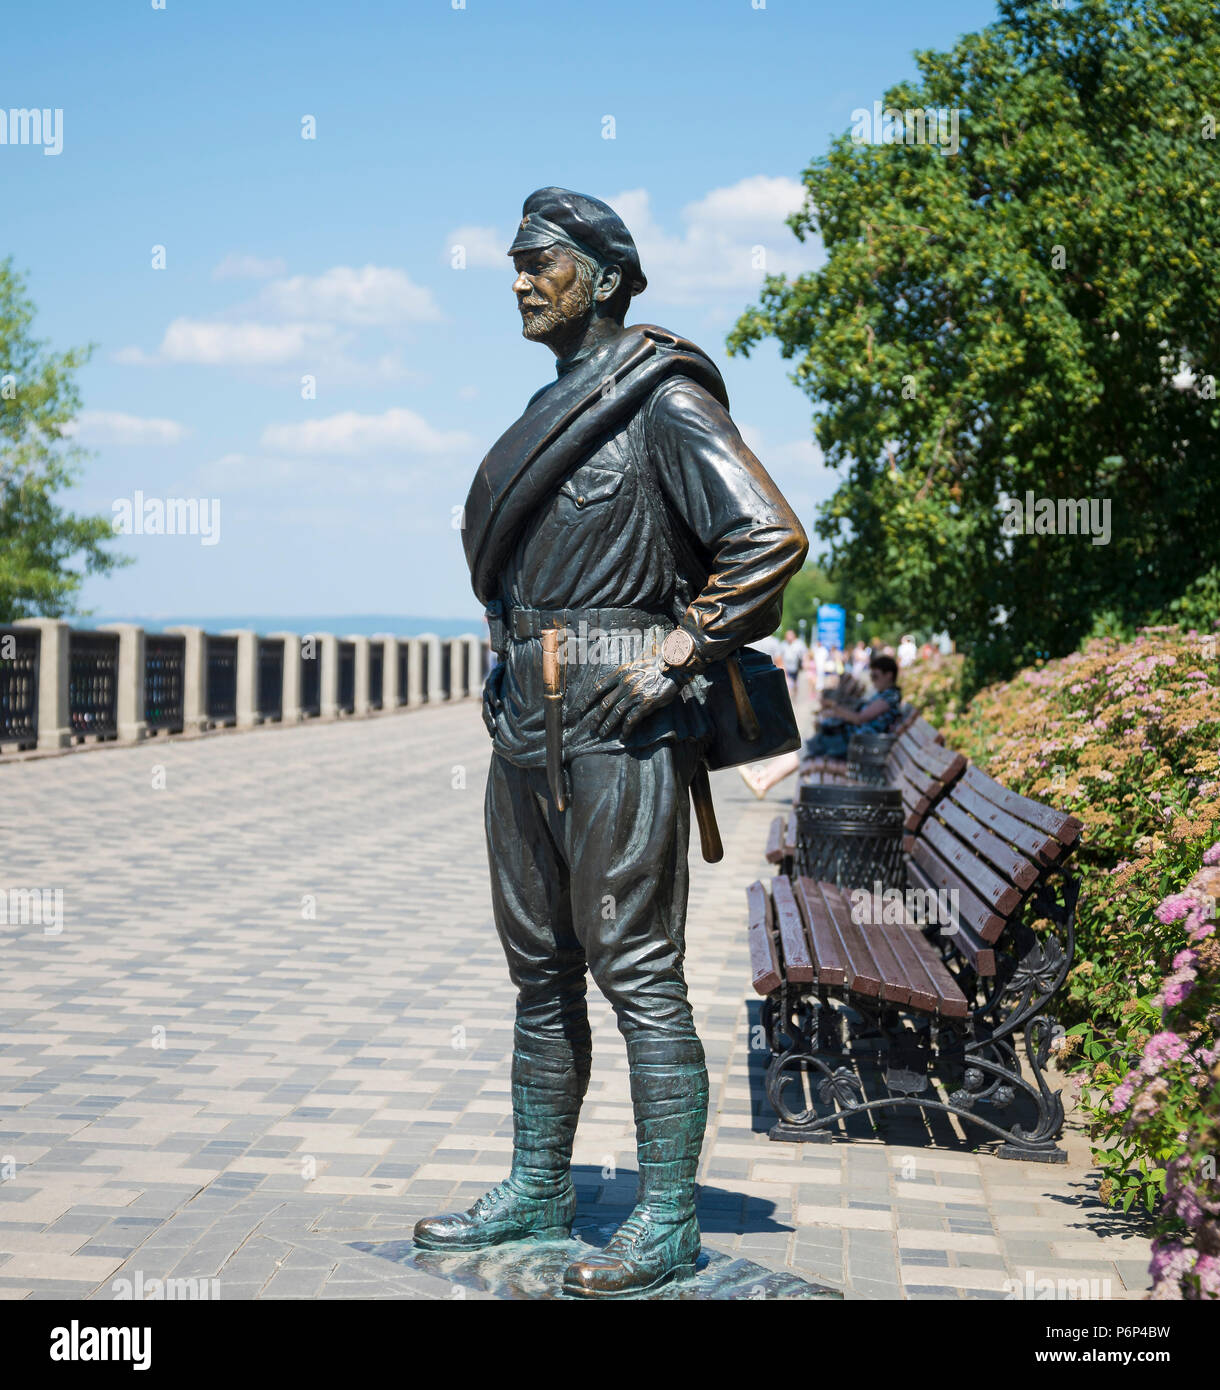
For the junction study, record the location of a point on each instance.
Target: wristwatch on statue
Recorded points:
(678, 654)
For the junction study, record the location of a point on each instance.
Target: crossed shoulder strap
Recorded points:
(559, 428)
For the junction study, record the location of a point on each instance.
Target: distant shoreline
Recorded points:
(355, 624)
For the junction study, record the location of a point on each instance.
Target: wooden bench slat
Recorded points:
(764, 966)
(901, 764)
(1037, 844)
(923, 732)
(1009, 862)
(914, 802)
(972, 870)
(950, 1001)
(907, 714)
(863, 974)
(1064, 827)
(827, 952)
(895, 986)
(939, 762)
(923, 997)
(971, 908)
(798, 967)
(965, 937)
(791, 833)
(775, 841)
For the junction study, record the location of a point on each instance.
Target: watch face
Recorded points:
(677, 647)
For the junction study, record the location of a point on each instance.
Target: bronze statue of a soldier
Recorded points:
(622, 501)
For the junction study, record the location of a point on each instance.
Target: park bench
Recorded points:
(943, 1003)
(918, 765)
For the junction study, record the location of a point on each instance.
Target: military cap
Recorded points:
(559, 217)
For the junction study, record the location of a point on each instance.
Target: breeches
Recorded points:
(600, 887)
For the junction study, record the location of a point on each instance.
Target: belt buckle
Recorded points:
(523, 623)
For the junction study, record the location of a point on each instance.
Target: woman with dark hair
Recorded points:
(874, 714)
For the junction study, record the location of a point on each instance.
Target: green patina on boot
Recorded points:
(537, 1201)
(649, 1249)
(659, 1241)
(501, 1215)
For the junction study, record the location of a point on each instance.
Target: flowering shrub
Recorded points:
(933, 686)
(1125, 735)
(1166, 1109)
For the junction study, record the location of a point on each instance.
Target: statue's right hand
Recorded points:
(491, 696)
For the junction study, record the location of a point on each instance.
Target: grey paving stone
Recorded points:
(291, 1038)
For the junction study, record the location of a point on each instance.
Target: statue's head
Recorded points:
(575, 261)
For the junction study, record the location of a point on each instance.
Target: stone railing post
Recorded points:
(415, 675)
(291, 697)
(360, 696)
(247, 676)
(328, 675)
(430, 644)
(194, 679)
(474, 665)
(54, 722)
(129, 704)
(390, 694)
(457, 667)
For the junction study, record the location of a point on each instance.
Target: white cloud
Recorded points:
(213, 342)
(799, 468)
(96, 427)
(351, 433)
(237, 472)
(238, 267)
(366, 297)
(756, 199)
(732, 237)
(486, 248)
(796, 453)
(301, 318)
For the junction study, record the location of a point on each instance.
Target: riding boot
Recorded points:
(537, 1200)
(660, 1239)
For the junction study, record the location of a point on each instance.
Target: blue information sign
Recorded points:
(832, 626)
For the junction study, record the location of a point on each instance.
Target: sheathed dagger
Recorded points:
(552, 707)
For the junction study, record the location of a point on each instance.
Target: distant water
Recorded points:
(356, 624)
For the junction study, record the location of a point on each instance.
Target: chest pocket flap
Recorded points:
(592, 484)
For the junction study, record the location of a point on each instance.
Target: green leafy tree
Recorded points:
(1038, 312)
(45, 550)
(812, 586)
(806, 590)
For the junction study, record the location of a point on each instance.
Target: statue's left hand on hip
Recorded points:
(632, 693)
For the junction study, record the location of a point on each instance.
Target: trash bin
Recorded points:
(867, 755)
(851, 836)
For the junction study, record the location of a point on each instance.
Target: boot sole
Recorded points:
(679, 1272)
(464, 1247)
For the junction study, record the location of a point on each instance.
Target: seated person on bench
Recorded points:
(875, 714)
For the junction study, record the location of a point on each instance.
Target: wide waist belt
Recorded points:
(524, 623)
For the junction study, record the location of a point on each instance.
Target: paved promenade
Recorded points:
(275, 1028)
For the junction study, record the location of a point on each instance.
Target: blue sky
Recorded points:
(332, 257)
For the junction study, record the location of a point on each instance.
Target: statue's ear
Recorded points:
(609, 283)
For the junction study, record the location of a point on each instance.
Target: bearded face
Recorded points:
(554, 292)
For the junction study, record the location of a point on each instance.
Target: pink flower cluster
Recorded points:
(1161, 1050)
(1175, 907)
(1175, 1267)
(1179, 985)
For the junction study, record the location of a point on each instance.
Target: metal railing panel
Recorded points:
(164, 667)
(19, 652)
(221, 674)
(347, 675)
(270, 692)
(93, 683)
